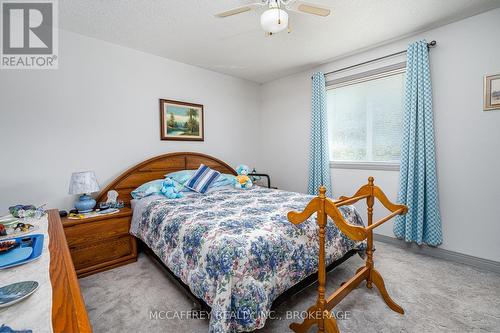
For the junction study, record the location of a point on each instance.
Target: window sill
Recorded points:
(365, 166)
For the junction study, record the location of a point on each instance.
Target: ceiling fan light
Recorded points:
(274, 20)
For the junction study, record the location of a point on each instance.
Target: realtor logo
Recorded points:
(29, 34)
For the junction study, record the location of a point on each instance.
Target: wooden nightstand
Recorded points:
(100, 243)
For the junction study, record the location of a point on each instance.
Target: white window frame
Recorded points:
(375, 74)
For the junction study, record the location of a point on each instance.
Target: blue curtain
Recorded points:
(418, 185)
(319, 155)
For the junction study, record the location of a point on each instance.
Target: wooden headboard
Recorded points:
(156, 168)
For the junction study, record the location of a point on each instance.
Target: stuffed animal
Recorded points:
(168, 189)
(242, 181)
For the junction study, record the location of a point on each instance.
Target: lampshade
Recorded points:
(83, 183)
(274, 20)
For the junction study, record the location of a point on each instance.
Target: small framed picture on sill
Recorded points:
(181, 121)
(492, 92)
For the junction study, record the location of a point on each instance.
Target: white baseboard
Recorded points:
(486, 264)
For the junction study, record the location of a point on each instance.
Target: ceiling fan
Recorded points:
(275, 18)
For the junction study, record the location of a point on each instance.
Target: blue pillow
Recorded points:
(202, 179)
(224, 179)
(182, 176)
(147, 189)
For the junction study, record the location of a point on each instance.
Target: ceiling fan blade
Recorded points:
(309, 8)
(239, 10)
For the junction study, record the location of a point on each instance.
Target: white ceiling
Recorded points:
(187, 31)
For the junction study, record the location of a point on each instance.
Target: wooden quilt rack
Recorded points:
(320, 313)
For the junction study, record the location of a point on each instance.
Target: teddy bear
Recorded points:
(242, 181)
(168, 189)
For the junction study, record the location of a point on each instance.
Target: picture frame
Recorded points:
(492, 92)
(181, 121)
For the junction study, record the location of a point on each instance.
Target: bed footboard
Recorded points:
(320, 313)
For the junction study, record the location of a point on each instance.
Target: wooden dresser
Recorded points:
(68, 308)
(100, 243)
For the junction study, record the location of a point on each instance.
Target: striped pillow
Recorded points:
(202, 179)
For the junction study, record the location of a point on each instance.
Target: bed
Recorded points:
(235, 249)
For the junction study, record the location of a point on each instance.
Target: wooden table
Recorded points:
(68, 308)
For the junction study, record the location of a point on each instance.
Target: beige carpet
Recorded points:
(438, 296)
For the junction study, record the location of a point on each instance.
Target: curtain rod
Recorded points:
(429, 45)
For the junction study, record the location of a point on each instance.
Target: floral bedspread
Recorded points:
(237, 250)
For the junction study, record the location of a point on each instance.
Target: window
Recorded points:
(365, 118)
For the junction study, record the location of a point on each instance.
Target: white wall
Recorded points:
(100, 111)
(467, 138)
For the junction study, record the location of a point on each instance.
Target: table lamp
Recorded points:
(84, 183)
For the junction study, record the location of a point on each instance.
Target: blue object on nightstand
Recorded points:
(85, 204)
(84, 183)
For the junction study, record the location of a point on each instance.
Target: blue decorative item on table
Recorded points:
(26, 249)
(84, 183)
(16, 292)
(168, 189)
(243, 181)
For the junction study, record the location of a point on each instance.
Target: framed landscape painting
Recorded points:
(181, 121)
(492, 92)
